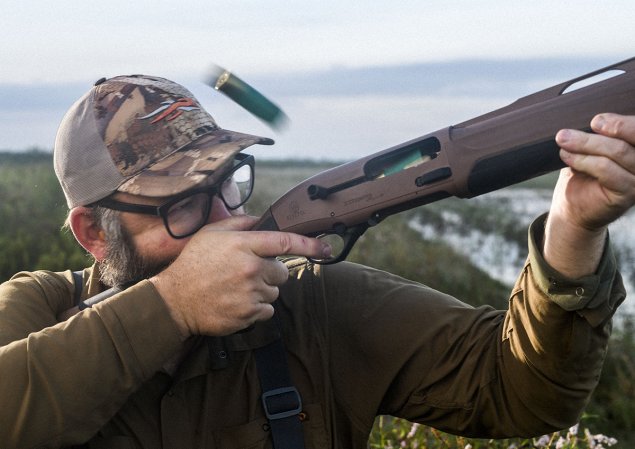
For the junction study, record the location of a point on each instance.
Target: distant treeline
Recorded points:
(30, 156)
(33, 209)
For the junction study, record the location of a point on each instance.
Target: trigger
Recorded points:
(350, 237)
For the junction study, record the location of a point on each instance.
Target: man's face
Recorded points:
(144, 247)
(151, 232)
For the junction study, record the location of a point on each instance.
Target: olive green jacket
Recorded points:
(360, 343)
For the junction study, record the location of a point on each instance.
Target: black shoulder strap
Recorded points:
(280, 399)
(78, 279)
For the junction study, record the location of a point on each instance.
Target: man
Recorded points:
(155, 190)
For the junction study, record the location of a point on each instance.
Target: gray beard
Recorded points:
(123, 265)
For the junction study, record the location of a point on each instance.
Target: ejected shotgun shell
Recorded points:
(249, 98)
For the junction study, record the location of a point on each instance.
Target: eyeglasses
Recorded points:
(186, 213)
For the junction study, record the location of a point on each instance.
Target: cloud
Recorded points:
(339, 113)
(474, 77)
(43, 97)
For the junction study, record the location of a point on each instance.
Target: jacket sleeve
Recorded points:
(63, 381)
(406, 350)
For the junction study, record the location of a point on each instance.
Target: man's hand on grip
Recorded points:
(226, 279)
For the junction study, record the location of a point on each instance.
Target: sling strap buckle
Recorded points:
(281, 403)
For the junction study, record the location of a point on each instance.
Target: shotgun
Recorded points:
(489, 152)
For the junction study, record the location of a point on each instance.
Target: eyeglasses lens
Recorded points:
(236, 189)
(189, 214)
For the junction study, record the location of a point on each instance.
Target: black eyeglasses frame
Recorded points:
(241, 160)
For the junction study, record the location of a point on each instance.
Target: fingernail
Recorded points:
(326, 251)
(598, 122)
(563, 136)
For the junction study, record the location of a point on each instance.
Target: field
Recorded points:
(32, 209)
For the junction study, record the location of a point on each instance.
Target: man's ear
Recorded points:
(87, 232)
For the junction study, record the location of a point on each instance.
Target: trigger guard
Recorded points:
(350, 237)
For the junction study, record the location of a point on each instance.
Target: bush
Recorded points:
(32, 211)
(397, 433)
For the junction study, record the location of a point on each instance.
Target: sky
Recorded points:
(355, 77)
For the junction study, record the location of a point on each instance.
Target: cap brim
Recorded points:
(204, 159)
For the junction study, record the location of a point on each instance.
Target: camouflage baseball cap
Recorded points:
(142, 135)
